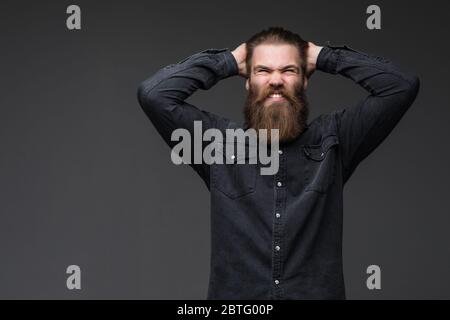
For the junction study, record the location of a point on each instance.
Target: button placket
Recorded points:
(280, 198)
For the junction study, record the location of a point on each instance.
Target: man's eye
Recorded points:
(262, 71)
(291, 70)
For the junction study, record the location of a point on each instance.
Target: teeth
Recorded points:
(275, 95)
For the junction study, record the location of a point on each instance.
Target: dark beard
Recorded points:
(290, 116)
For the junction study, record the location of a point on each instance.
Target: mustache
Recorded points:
(290, 97)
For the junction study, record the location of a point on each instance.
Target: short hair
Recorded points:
(277, 35)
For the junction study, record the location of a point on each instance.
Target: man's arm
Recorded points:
(163, 95)
(362, 127)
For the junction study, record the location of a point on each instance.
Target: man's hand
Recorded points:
(312, 54)
(240, 54)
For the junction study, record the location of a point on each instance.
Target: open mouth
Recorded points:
(276, 97)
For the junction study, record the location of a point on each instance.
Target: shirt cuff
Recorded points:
(327, 60)
(230, 67)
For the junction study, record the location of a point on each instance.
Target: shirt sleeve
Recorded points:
(162, 96)
(391, 91)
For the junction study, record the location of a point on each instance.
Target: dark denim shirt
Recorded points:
(280, 236)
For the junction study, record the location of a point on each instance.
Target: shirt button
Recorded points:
(277, 282)
(277, 248)
(279, 184)
(280, 151)
(277, 215)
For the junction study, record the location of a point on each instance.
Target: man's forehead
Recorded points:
(275, 55)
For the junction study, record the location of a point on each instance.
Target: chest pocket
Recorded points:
(236, 179)
(321, 164)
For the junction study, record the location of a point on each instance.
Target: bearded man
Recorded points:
(280, 236)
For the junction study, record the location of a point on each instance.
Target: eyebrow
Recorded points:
(259, 66)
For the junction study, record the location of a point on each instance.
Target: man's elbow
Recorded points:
(413, 85)
(146, 96)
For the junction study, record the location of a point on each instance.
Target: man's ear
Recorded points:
(247, 84)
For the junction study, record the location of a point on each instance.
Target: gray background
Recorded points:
(85, 179)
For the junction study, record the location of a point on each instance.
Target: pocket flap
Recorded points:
(318, 152)
(249, 152)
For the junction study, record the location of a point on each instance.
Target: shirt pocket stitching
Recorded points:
(235, 180)
(321, 167)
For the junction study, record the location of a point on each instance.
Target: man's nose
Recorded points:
(275, 79)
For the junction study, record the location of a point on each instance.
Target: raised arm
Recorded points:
(363, 126)
(163, 95)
